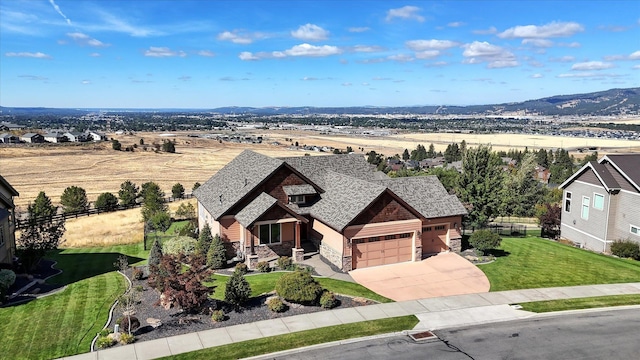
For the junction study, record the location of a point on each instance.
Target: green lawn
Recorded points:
(170, 233)
(304, 338)
(534, 263)
(65, 323)
(582, 303)
(263, 283)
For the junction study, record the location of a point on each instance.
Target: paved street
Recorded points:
(609, 334)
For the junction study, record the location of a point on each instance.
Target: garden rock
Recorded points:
(155, 323)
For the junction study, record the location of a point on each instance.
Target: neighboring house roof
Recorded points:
(305, 189)
(425, 194)
(30, 135)
(602, 173)
(8, 186)
(628, 165)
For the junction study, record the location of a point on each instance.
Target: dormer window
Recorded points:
(297, 199)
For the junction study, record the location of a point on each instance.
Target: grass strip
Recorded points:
(581, 303)
(526, 263)
(303, 338)
(264, 283)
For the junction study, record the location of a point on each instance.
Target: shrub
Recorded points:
(179, 245)
(7, 278)
(298, 287)
(238, 290)
(484, 240)
(241, 268)
(217, 254)
(275, 304)
(218, 316)
(204, 240)
(328, 300)
(184, 287)
(626, 249)
(138, 274)
(284, 263)
(263, 267)
(106, 201)
(124, 323)
(104, 342)
(126, 338)
(105, 332)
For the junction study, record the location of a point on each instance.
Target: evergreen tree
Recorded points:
(479, 185)
(521, 191)
(238, 290)
(42, 233)
(106, 201)
(195, 186)
(204, 240)
(155, 254)
(153, 201)
(128, 193)
(42, 206)
(177, 191)
(432, 151)
(405, 155)
(74, 198)
(217, 254)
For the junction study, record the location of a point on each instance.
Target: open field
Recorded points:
(97, 168)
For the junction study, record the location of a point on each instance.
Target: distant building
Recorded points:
(32, 138)
(9, 139)
(74, 136)
(55, 137)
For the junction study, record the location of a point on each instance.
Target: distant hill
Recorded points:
(609, 102)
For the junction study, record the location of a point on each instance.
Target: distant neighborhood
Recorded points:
(50, 136)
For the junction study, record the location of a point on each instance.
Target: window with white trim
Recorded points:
(635, 230)
(297, 199)
(270, 234)
(598, 201)
(567, 202)
(585, 207)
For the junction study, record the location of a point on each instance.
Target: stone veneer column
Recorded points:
(252, 261)
(297, 255)
(455, 245)
(418, 252)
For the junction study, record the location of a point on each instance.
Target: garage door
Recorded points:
(381, 250)
(434, 239)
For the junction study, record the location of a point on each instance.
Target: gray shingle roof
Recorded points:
(629, 164)
(344, 198)
(605, 176)
(305, 189)
(315, 167)
(255, 209)
(234, 181)
(425, 194)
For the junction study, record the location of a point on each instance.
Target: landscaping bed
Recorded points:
(175, 322)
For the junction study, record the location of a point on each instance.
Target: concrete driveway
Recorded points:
(442, 275)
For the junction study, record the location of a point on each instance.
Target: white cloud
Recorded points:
(433, 44)
(95, 54)
(359, 29)
(309, 78)
(310, 32)
(635, 55)
(206, 53)
(554, 29)
(456, 24)
(406, 13)
(86, 82)
(588, 75)
(163, 52)
(636, 67)
(400, 58)
(495, 56)
(543, 43)
(368, 48)
(57, 9)
(536, 76)
(235, 37)
(427, 54)
(33, 77)
(574, 44)
(591, 65)
(84, 39)
(37, 55)
(489, 31)
(565, 58)
(247, 56)
(312, 50)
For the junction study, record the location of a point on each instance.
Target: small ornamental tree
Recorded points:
(74, 198)
(128, 193)
(484, 240)
(238, 290)
(160, 221)
(177, 191)
(155, 254)
(217, 254)
(106, 201)
(186, 211)
(204, 241)
(185, 288)
(299, 287)
(549, 219)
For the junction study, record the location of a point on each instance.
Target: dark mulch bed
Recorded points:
(44, 269)
(175, 322)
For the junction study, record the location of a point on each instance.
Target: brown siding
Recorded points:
(230, 229)
(385, 209)
(362, 231)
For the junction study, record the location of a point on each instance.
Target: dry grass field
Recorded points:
(98, 168)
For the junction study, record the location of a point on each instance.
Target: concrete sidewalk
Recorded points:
(433, 313)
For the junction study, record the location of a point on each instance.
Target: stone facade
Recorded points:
(347, 265)
(455, 245)
(418, 250)
(297, 255)
(272, 251)
(332, 255)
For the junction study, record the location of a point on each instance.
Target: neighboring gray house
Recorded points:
(601, 202)
(55, 137)
(96, 136)
(9, 139)
(32, 138)
(74, 136)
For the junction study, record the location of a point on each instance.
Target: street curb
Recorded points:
(580, 311)
(329, 344)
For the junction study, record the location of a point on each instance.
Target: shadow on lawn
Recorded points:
(498, 253)
(80, 266)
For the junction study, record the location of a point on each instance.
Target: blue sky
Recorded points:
(205, 54)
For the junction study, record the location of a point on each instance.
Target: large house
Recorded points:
(7, 222)
(264, 207)
(601, 202)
